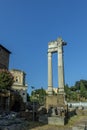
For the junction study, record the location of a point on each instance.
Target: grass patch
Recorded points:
(75, 119)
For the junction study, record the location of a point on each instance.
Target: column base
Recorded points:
(50, 91)
(61, 90)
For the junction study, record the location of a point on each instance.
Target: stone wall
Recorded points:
(4, 57)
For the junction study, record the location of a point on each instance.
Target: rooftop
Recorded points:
(5, 48)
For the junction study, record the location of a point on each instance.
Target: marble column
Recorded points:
(60, 68)
(50, 78)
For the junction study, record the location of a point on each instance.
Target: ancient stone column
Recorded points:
(60, 66)
(50, 79)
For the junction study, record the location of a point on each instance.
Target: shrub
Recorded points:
(6, 79)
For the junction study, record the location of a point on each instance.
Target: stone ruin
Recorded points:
(12, 121)
(56, 105)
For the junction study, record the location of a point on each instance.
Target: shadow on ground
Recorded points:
(41, 126)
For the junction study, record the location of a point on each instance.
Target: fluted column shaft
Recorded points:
(60, 68)
(50, 78)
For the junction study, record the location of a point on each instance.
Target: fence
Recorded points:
(77, 104)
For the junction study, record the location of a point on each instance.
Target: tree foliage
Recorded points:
(28, 97)
(6, 79)
(39, 95)
(78, 92)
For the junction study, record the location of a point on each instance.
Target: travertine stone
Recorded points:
(50, 81)
(60, 66)
(55, 100)
(56, 120)
(56, 46)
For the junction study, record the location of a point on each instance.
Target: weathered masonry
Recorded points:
(56, 47)
(4, 57)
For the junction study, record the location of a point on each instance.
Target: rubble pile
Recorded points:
(11, 121)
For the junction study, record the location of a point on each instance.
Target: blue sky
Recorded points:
(26, 27)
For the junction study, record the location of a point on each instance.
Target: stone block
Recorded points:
(51, 101)
(43, 118)
(56, 100)
(56, 120)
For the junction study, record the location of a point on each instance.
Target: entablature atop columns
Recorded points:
(53, 45)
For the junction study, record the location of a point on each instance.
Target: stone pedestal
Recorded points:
(61, 99)
(51, 101)
(57, 109)
(56, 120)
(56, 100)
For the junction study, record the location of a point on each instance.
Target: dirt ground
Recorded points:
(76, 120)
(49, 127)
(46, 127)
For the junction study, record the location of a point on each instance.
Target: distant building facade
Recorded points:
(4, 57)
(19, 84)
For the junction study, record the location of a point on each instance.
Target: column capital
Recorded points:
(49, 54)
(61, 42)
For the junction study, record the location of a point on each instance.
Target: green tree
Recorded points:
(71, 93)
(74, 96)
(28, 97)
(79, 90)
(68, 92)
(39, 95)
(80, 83)
(83, 90)
(6, 79)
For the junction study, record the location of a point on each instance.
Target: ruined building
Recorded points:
(19, 85)
(4, 57)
